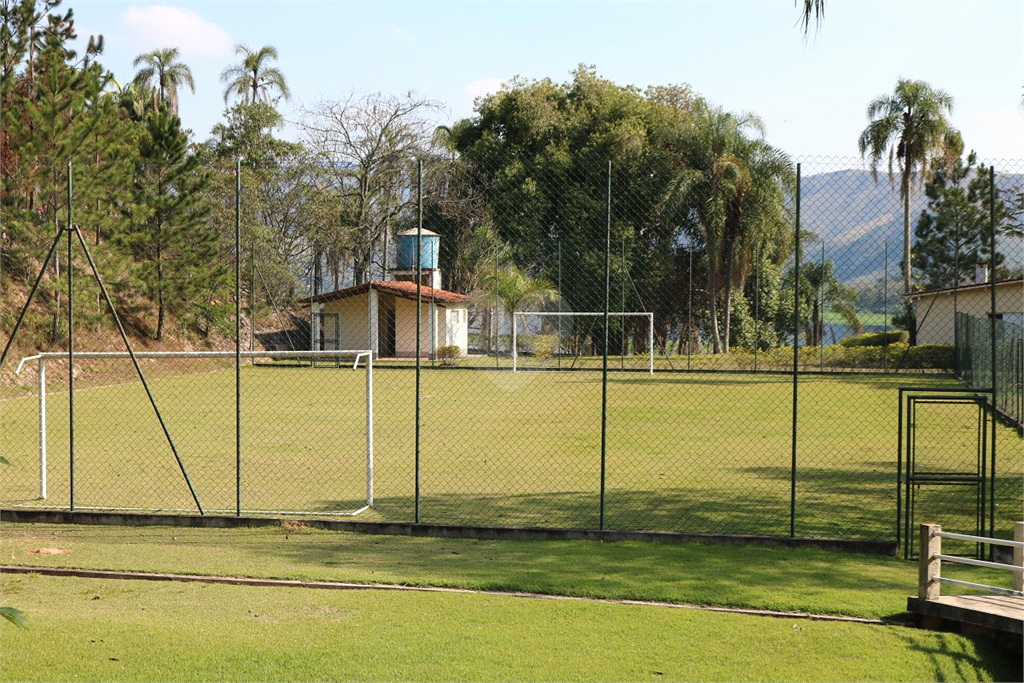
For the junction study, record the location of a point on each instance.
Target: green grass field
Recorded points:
(131, 631)
(781, 579)
(145, 631)
(697, 452)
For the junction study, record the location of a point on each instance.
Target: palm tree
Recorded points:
(252, 80)
(163, 67)
(133, 98)
(812, 9)
(756, 215)
(515, 289)
(734, 186)
(911, 124)
(820, 288)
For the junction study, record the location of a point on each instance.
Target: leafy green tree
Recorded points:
(535, 160)
(247, 134)
(169, 236)
(254, 81)
(911, 125)
(162, 75)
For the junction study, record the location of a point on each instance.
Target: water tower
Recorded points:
(405, 258)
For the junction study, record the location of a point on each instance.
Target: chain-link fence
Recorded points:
(568, 342)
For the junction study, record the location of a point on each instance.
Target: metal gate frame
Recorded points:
(906, 486)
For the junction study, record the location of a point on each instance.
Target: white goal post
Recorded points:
(545, 314)
(356, 355)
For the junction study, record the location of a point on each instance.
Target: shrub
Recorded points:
(876, 339)
(448, 355)
(542, 346)
(931, 356)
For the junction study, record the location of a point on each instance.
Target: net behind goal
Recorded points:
(299, 439)
(540, 325)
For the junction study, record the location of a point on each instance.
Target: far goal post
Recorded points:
(552, 314)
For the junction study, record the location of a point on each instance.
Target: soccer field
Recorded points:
(696, 452)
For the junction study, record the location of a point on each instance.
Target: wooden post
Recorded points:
(1018, 556)
(928, 564)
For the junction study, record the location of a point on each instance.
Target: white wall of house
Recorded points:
(405, 328)
(357, 317)
(353, 319)
(935, 312)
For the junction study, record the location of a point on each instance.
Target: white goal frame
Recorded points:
(356, 354)
(565, 314)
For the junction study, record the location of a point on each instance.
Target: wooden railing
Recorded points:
(930, 579)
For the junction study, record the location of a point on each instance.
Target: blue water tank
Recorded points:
(405, 243)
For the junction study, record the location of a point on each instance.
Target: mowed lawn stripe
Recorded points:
(86, 629)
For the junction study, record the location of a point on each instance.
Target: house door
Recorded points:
(330, 331)
(386, 327)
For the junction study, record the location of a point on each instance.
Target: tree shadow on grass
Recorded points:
(949, 661)
(755, 509)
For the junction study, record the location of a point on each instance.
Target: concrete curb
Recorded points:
(24, 515)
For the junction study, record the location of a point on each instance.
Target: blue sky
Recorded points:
(744, 55)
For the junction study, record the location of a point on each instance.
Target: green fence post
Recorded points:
(604, 367)
(796, 360)
(71, 352)
(992, 328)
(419, 315)
(238, 337)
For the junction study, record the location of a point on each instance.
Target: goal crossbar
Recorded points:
(357, 354)
(565, 314)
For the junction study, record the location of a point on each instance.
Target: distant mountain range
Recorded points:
(856, 216)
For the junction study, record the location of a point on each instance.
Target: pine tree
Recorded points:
(953, 234)
(169, 236)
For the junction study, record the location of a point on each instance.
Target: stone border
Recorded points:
(25, 515)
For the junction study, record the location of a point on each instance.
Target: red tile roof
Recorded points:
(406, 290)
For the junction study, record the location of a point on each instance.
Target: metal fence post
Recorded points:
(757, 302)
(604, 366)
(71, 352)
(238, 337)
(885, 310)
(992, 328)
(796, 360)
(689, 306)
(821, 312)
(419, 315)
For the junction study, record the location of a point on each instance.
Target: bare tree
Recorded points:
(368, 145)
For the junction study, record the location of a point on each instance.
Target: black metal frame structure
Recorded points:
(980, 479)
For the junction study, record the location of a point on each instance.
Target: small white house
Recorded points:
(936, 308)
(382, 316)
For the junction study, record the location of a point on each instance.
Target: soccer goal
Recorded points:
(553, 314)
(219, 362)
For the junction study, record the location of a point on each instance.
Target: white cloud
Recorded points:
(159, 26)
